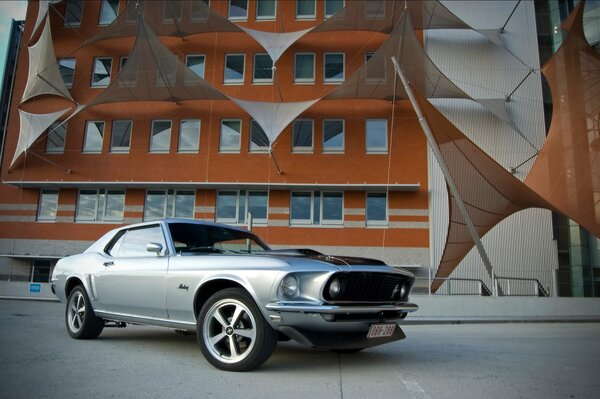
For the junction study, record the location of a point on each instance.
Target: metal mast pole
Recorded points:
(446, 172)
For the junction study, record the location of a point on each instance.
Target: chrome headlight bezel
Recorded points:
(289, 287)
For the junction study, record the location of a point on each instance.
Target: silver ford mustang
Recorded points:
(239, 295)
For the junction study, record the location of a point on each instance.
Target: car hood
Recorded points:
(332, 259)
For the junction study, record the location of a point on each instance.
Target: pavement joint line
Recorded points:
(416, 391)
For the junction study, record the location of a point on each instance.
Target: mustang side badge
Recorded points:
(183, 287)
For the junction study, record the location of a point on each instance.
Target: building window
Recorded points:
(41, 270)
(375, 9)
(198, 12)
(316, 208)
(302, 135)
(231, 131)
(66, 66)
(57, 134)
(333, 135)
(94, 133)
(100, 206)
(122, 63)
(48, 205)
(304, 68)
(259, 142)
(160, 139)
(238, 9)
(305, 9)
(333, 67)
(265, 9)
(332, 7)
(101, 74)
(263, 69)
(109, 9)
(234, 69)
(233, 206)
(172, 11)
(121, 136)
(162, 204)
(196, 63)
(189, 135)
(375, 69)
(376, 209)
(73, 12)
(376, 135)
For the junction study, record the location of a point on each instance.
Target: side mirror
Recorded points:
(154, 247)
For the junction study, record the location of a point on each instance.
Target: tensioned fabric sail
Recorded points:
(32, 126)
(44, 76)
(275, 43)
(43, 7)
(490, 193)
(567, 170)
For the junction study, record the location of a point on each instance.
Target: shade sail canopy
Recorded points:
(567, 170)
(44, 76)
(43, 7)
(275, 43)
(32, 126)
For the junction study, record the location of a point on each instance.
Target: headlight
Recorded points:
(404, 289)
(289, 286)
(335, 287)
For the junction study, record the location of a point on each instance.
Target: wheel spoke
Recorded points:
(236, 315)
(80, 303)
(246, 333)
(218, 317)
(233, 347)
(217, 338)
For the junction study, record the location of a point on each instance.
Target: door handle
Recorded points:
(107, 264)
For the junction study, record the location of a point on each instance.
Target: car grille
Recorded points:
(363, 287)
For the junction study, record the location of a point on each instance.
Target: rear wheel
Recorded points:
(80, 319)
(232, 332)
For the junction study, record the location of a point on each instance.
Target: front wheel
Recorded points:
(232, 333)
(81, 321)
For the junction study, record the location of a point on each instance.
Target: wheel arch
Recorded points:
(71, 283)
(215, 285)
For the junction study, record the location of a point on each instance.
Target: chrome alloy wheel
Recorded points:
(229, 330)
(76, 312)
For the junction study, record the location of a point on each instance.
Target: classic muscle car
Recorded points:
(237, 294)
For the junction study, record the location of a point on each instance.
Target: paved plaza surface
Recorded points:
(538, 360)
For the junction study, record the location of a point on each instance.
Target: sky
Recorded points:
(8, 10)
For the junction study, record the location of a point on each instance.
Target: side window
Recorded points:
(135, 240)
(113, 246)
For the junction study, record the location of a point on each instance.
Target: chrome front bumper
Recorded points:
(334, 309)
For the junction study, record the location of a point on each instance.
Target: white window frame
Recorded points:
(68, 85)
(304, 150)
(305, 17)
(197, 147)
(169, 203)
(369, 14)
(100, 214)
(245, 197)
(73, 24)
(266, 17)
(96, 84)
(44, 218)
(333, 150)
(103, 4)
(374, 79)
(120, 149)
(260, 80)
(322, 222)
(334, 80)
(377, 223)
(236, 18)
(235, 81)
(256, 148)
(52, 131)
(85, 136)
(325, 8)
(376, 150)
(187, 57)
(230, 150)
(305, 80)
(161, 150)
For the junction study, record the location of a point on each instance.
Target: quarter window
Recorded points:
(333, 70)
(189, 135)
(305, 9)
(160, 140)
(101, 74)
(265, 9)
(231, 131)
(376, 209)
(238, 9)
(121, 136)
(302, 135)
(48, 205)
(100, 206)
(94, 134)
(233, 206)
(169, 203)
(73, 12)
(66, 66)
(376, 135)
(259, 142)
(263, 68)
(109, 9)
(333, 135)
(234, 69)
(57, 134)
(316, 208)
(304, 68)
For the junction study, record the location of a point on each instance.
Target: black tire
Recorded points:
(80, 319)
(239, 344)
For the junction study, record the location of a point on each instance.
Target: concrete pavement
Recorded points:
(540, 360)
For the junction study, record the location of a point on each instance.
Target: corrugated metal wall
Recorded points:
(522, 245)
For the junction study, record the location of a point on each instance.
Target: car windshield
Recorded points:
(199, 238)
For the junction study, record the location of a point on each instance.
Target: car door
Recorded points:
(132, 281)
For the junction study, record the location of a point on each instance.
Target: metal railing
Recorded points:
(518, 286)
(458, 286)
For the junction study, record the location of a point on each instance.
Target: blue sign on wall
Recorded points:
(35, 288)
